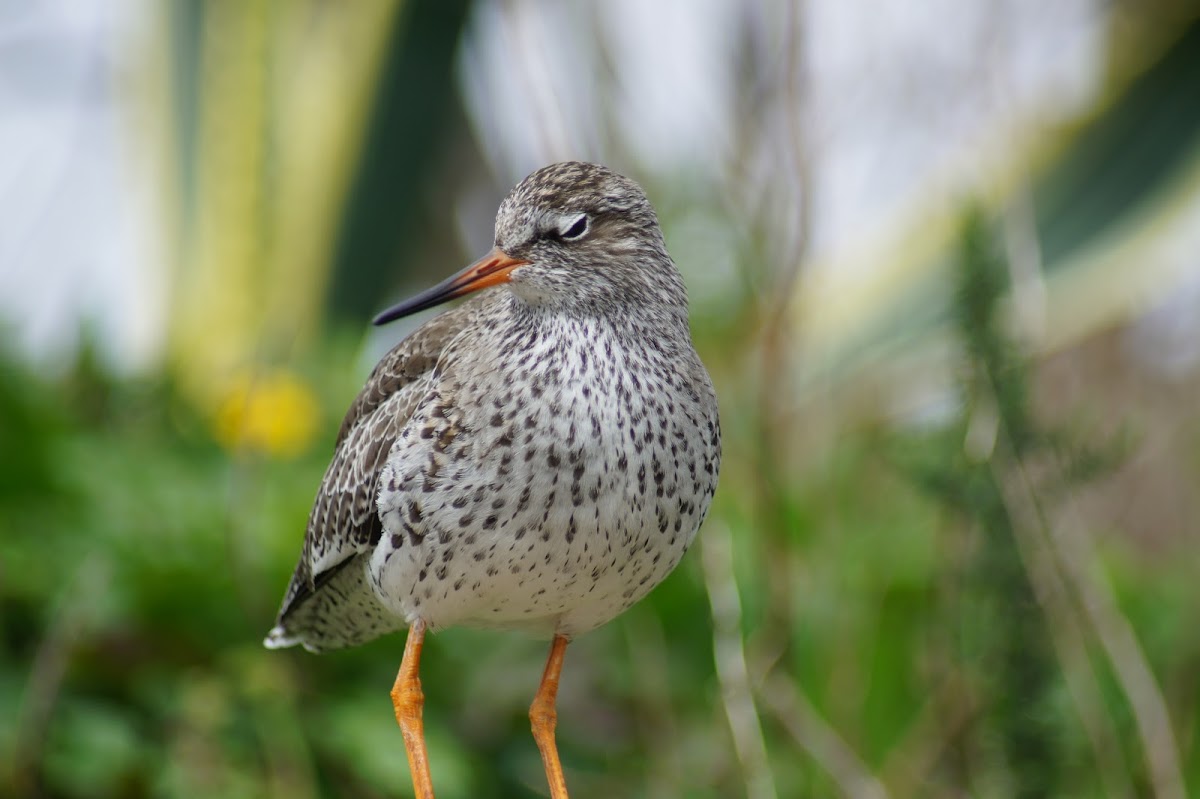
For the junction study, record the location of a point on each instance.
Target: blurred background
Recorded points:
(944, 262)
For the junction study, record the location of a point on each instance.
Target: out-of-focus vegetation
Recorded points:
(903, 630)
(975, 602)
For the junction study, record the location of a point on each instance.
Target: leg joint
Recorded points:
(543, 716)
(408, 700)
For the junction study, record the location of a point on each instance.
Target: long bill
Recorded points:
(490, 270)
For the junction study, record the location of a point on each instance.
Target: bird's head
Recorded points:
(571, 233)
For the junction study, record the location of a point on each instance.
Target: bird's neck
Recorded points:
(635, 320)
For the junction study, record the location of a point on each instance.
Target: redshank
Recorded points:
(538, 458)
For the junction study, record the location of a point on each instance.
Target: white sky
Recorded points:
(74, 227)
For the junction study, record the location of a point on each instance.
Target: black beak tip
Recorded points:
(426, 299)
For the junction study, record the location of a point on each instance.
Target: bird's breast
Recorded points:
(555, 483)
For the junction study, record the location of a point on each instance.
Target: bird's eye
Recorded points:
(577, 228)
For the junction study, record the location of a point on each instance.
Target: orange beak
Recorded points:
(490, 270)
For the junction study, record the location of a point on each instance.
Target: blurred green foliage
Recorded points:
(882, 581)
(896, 638)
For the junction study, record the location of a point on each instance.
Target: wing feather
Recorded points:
(344, 523)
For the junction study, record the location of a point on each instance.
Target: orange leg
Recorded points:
(544, 718)
(408, 701)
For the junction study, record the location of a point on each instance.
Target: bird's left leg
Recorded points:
(408, 702)
(544, 717)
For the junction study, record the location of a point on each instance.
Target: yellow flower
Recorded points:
(275, 414)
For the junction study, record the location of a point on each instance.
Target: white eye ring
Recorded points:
(577, 228)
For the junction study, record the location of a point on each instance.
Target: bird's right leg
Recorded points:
(408, 701)
(544, 718)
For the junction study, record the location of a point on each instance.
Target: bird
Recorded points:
(537, 458)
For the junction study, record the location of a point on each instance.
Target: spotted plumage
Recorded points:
(538, 458)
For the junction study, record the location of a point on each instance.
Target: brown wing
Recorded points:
(344, 523)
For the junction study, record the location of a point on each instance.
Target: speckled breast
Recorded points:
(554, 474)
